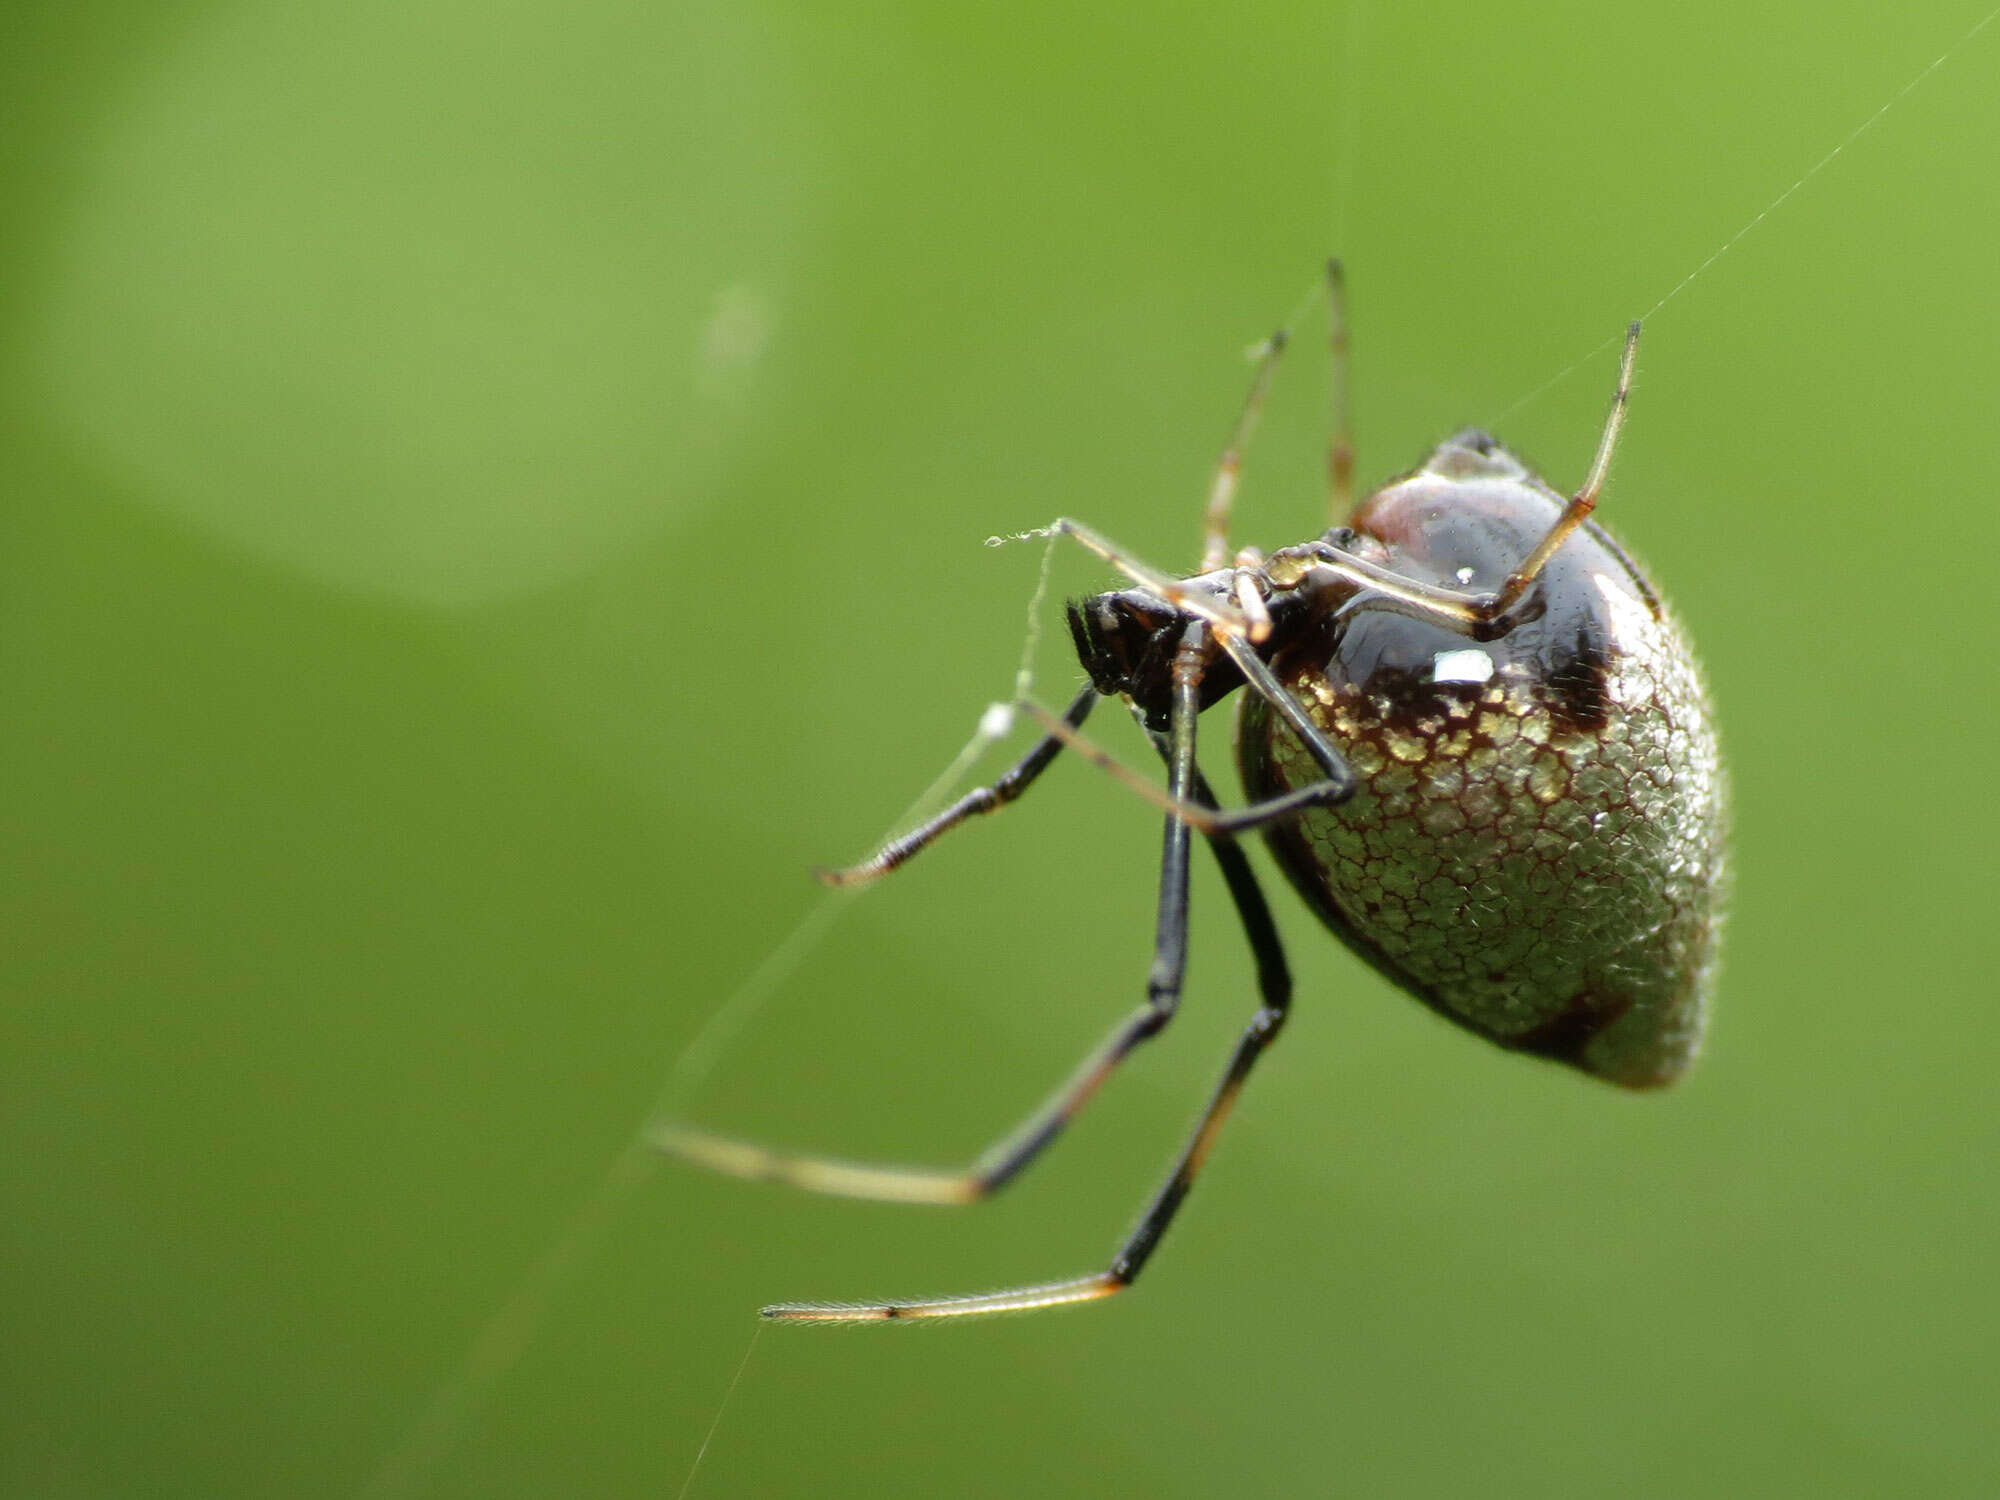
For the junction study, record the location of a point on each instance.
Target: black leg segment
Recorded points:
(983, 799)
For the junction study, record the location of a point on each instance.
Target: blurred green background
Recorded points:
(494, 493)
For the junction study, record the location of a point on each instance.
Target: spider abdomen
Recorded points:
(1536, 846)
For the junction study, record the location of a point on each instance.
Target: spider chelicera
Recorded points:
(1475, 742)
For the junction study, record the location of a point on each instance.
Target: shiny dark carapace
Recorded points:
(1536, 846)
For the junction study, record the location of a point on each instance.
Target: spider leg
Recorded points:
(1001, 1162)
(1467, 609)
(1340, 440)
(1275, 985)
(1340, 780)
(992, 1170)
(1229, 468)
(1340, 426)
(985, 799)
(1064, 731)
(1584, 501)
(1208, 819)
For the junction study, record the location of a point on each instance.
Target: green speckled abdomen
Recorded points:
(1536, 849)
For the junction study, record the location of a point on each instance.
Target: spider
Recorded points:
(1474, 741)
